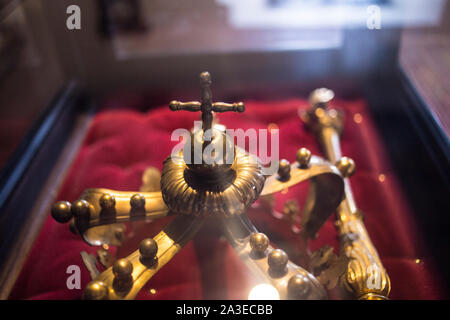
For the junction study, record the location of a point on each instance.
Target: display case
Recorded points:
(94, 88)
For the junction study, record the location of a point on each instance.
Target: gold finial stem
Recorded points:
(207, 108)
(365, 275)
(329, 139)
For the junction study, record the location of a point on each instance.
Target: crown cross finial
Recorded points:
(207, 107)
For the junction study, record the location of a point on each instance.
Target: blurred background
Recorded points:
(159, 45)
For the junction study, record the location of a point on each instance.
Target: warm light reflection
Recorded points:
(271, 127)
(264, 292)
(319, 112)
(357, 118)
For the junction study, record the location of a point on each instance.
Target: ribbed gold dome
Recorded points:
(227, 193)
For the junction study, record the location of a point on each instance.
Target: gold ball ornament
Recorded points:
(298, 287)
(284, 169)
(259, 242)
(277, 260)
(346, 166)
(96, 290)
(303, 157)
(137, 201)
(148, 248)
(205, 78)
(122, 269)
(80, 209)
(107, 201)
(62, 211)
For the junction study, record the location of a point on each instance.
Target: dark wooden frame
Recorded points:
(23, 178)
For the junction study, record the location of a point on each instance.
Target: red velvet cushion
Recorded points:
(122, 143)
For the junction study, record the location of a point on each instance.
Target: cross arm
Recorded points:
(224, 107)
(188, 106)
